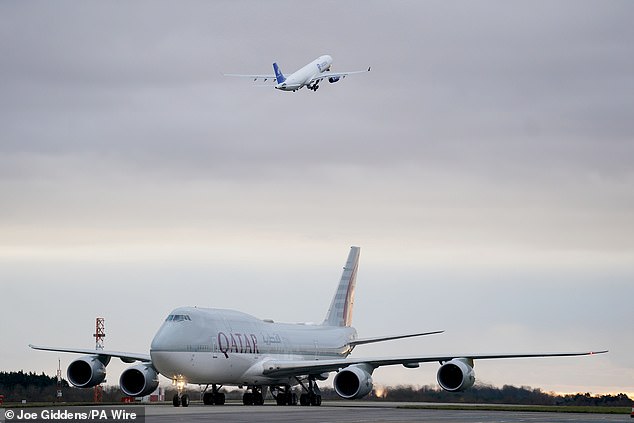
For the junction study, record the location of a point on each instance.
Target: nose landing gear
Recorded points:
(179, 398)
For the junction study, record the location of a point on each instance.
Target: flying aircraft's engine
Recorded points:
(456, 375)
(354, 381)
(87, 371)
(139, 380)
(334, 79)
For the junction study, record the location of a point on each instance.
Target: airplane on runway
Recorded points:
(309, 76)
(217, 347)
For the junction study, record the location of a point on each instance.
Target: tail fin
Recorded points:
(340, 311)
(279, 76)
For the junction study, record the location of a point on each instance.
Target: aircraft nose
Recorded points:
(158, 342)
(169, 336)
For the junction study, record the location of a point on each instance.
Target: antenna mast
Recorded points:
(100, 334)
(59, 380)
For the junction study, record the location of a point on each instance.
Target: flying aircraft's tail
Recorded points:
(279, 76)
(340, 311)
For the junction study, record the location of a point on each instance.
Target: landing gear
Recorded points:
(310, 399)
(214, 397)
(312, 396)
(179, 400)
(313, 87)
(284, 395)
(255, 397)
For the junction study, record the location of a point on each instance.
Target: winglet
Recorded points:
(279, 76)
(340, 311)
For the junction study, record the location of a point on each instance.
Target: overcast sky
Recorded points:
(485, 166)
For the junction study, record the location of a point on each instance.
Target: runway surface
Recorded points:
(366, 412)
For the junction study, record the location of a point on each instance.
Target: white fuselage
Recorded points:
(302, 77)
(227, 347)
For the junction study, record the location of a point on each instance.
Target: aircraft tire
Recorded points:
(312, 399)
(176, 401)
(247, 398)
(219, 399)
(208, 398)
(287, 398)
(185, 400)
(258, 399)
(303, 400)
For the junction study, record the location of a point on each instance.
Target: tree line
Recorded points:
(18, 386)
(488, 394)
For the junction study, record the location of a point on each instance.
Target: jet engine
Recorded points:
(456, 375)
(334, 79)
(87, 371)
(139, 380)
(354, 381)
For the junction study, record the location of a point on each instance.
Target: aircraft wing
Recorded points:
(283, 368)
(254, 77)
(341, 75)
(126, 357)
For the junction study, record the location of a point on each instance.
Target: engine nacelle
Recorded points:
(354, 381)
(456, 375)
(334, 79)
(139, 380)
(87, 371)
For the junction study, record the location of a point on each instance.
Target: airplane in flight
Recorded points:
(309, 76)
(216, 347)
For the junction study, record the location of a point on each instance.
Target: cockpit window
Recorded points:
(177, 318)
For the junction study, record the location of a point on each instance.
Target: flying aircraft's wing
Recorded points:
(126, 357)
(337, 75)
(254, 77)
(283, 368)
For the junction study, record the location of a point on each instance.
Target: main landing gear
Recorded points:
(214, 397)
(255, 397)
(313, 87)
(284, 395)
(312, 396)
